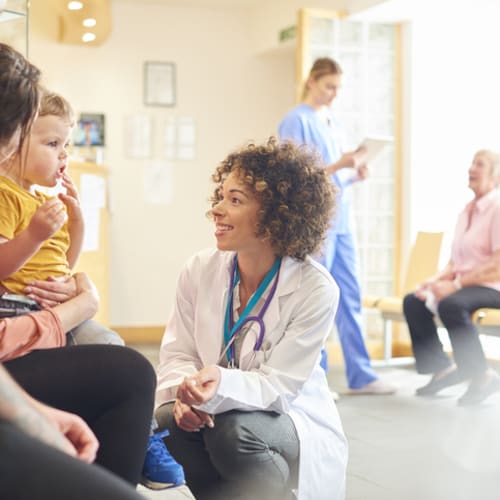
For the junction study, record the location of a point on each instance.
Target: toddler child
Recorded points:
(41, 236)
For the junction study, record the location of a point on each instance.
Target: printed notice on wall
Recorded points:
(92, 200)
(158, 183)
(171, 139)
(91, 216)
(180, 138)
(186, 138)
(93, 190)
(138, 136)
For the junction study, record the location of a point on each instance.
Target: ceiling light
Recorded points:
(88, 37)
(75, 5)
(90, 22)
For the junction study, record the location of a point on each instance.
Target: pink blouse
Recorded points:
(477, 235)
(23, 334)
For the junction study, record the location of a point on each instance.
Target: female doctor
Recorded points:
(240, 384)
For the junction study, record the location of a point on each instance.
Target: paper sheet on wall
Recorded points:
(92, 200)
(180, 138)
(92, 217)
(170, 139)
(158, 183)
(186, 138)
(93, 190)
(138, 136)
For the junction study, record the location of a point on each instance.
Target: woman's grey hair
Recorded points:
(494, 159)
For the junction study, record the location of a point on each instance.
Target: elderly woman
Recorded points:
(471, 280)
(240, 383)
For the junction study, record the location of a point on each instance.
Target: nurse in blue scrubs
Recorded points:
(312, 123)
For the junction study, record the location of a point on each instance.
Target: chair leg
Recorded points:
(388, 360)
(387, 339)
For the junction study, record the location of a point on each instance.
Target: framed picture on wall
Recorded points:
(89, 130)
(159, 84)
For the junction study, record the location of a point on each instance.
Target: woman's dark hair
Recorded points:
(19, 94)
(295, 194)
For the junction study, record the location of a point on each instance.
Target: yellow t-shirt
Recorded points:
(17, 207)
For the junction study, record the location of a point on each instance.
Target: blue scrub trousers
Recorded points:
(340, 258)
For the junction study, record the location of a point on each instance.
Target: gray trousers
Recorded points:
(92, 332)
(247, 455)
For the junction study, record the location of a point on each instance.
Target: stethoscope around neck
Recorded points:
(230, 328)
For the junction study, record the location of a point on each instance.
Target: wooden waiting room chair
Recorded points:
(488, 321)
(422, 263)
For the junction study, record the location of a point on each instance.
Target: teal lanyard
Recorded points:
(231, 329)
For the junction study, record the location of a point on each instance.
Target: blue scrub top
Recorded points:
(304, 125)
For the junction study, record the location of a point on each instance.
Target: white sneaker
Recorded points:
(378, 386)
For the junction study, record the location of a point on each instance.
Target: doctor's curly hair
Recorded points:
(296, 194)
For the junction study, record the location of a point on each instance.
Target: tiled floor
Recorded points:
(180, 493)
(404, 447)
(408, 448)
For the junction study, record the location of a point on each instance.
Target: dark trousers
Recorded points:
(455, 313)
(31, 470)
(112, 389)
(247, 455)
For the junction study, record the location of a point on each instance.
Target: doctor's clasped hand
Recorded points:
(193, 391)
(201, 387)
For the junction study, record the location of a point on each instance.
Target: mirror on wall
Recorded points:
(14, 24)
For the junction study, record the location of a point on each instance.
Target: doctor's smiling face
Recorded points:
(271, 199)
(236, 216)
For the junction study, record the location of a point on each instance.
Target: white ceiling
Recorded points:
(376, 10)
(227, 4)
(251, 4)
(407, 10)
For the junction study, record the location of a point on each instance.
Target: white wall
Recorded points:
(451, 107)
(233, 95)
(455, 109)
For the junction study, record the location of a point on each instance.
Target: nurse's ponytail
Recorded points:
(321, 67)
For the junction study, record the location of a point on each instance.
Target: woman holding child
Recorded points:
(240, 384)
(63, 409)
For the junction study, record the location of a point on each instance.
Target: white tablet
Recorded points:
(374, 145)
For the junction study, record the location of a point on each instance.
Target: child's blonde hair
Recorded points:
(56, 105)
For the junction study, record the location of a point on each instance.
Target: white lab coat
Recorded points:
(284, 376)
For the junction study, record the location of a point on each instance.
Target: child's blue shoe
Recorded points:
(160, 470)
